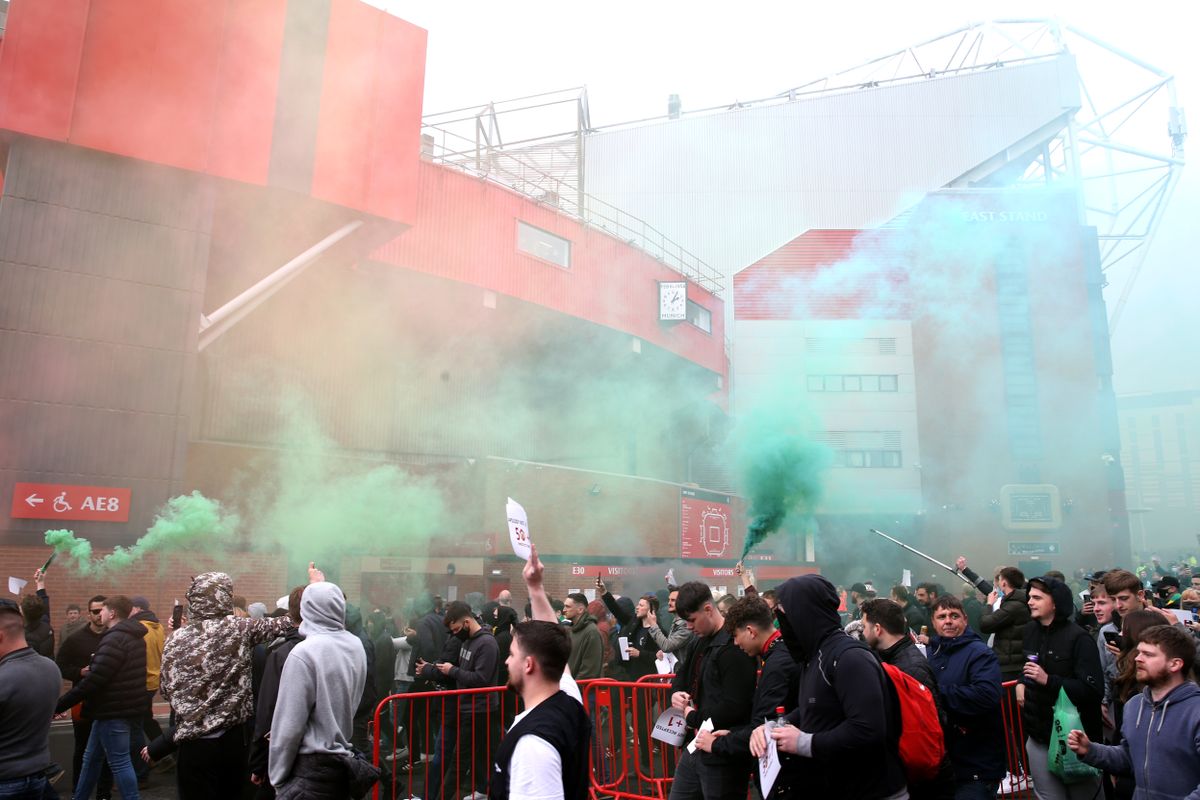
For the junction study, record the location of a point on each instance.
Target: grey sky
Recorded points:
(631, 56)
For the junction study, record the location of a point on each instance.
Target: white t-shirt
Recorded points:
(535, 771)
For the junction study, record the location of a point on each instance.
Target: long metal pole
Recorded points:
(228, 315)
(929, 558)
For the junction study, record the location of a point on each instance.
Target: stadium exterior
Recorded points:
(186, 249)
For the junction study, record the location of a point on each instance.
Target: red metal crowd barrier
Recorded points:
(1017, 784)
(439, 746)
(626, 763)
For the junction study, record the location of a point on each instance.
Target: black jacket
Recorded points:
(1070, 657)
(431, 639)
(40, 634)
(776, 687)
(720, 678)
(916, 616)
(266, 697)
(846, 701)
(76, 653)
(639, 637)
(115, 686)
(1008, 623)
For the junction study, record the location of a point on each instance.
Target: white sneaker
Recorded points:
(476, 796)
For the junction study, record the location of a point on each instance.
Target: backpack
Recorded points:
(922, 747)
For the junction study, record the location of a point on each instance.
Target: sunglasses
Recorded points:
(95, 610)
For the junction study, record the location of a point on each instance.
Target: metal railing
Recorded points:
(548, 171)
(439, 742)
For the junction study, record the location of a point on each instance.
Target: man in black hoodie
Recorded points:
(1060, 655)
(847, 724)
(114, 696)
(478, 658)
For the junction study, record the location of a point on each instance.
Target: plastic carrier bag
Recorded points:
(1064, 764)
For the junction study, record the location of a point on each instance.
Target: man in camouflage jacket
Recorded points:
(206, 677)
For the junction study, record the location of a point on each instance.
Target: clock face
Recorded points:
(672, 300)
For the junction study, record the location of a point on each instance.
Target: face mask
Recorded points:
(790, 640)
(463, 634)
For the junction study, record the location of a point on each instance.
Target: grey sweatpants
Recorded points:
(1047, 787)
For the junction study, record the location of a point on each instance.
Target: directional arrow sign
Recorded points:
(67, 502)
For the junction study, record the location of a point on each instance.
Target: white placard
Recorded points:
(1183, 616)
(906, 578)
(707, 725)
(670, 728)
(282, 603)
(623, 646)
(518, 529)
(666, 664)
(451, 593)
(768, 763)
(15, 585)
(590, 594)
(670, 576)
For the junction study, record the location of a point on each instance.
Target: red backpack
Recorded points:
(922, 747)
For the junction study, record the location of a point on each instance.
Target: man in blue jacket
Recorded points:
(968, 679)
(1160, 735)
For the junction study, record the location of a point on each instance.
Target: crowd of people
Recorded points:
(857, 695)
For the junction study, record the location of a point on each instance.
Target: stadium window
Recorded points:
(852, 383)
(699, 316)
(891, 458)
(833, 383)
(889, 383)
(816, 383)
(543, 244)
(870, 383)
(856, 458)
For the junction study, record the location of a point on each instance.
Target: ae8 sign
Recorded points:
(66, 502)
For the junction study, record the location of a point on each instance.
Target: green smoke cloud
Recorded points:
(190, 522)
(318, 501)
(781, 470)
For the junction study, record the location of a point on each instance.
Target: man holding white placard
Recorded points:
(713, 688)
(752, 626)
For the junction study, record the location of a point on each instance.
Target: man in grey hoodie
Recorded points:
(322, 681)
(1160, 735)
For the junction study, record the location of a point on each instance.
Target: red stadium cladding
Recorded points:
(259, 91)
(607, 281)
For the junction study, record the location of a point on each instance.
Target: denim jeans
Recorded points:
(31, 787)
(109, 742)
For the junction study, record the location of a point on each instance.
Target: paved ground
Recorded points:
(62, 743)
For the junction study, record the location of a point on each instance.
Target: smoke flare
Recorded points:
(187, 522)
(781, 474)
